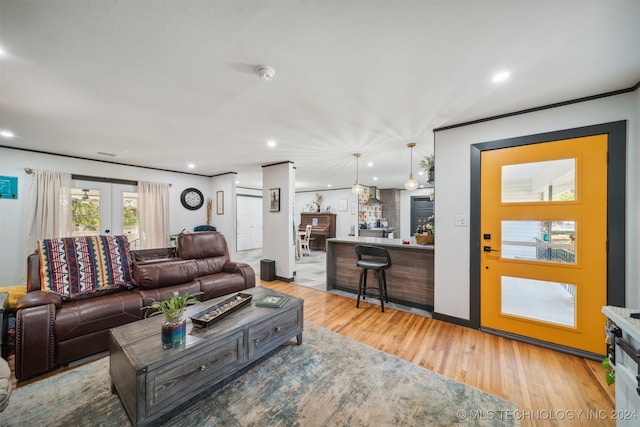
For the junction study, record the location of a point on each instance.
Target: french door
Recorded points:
(543, 241)
(104, 208)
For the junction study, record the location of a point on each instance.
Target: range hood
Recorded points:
(373, 196)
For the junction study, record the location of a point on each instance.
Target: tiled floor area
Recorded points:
(311, 272)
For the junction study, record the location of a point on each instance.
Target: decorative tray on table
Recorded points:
(210, 315)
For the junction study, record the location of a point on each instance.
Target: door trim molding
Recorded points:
(616, 206)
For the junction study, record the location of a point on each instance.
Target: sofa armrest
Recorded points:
(36, 298)
(35, 344)
(243, 269)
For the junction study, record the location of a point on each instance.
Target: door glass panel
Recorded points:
(550, 181)
(548, 241)
(549, 302)
(85, 212)
(130, 218)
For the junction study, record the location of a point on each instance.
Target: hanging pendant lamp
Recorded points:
(357, 188)
(411, 184)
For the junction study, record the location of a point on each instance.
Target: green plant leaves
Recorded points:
(172, 307)
(610, 375)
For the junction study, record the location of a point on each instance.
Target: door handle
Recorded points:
(488, 249)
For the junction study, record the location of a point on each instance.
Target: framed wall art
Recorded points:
(220, 202)
(274, 200)
(8, 187)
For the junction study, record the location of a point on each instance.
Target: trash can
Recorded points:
(267, 270)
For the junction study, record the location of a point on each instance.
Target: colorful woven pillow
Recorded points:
(76, 266)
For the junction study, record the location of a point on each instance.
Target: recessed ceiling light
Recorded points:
(375, 178)
(237, 182)
(2, 51)
(191, 166)
(329, 185)
(370, 164)
(271, 143)
(7, 134)
(501, 77)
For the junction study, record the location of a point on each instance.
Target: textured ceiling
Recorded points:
(167, 83)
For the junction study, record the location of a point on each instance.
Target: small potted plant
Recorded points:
(428, 164)
(174, 325)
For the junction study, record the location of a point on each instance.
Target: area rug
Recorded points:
(329, 380)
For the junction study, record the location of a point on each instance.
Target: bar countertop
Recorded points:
(381, 241)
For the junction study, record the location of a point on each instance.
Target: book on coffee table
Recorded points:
(276, 301)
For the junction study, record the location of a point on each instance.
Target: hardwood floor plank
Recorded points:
(550, 388)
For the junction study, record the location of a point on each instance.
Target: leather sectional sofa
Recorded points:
(52, 331)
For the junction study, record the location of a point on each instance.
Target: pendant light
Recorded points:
(357, 188)
(411, 184)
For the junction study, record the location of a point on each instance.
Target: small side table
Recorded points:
(4, 298)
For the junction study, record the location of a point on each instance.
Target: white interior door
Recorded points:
(249, 223)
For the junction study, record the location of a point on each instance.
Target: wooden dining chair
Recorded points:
(305, 241)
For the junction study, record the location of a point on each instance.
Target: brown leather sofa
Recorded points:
(51, 332)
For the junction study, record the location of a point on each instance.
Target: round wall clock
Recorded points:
(192, 199)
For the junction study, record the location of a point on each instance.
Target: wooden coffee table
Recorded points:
(152, 380)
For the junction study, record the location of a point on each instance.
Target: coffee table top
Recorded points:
(142, 343)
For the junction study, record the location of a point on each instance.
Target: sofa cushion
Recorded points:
(73, 267)
(208, 244)
(219, 284)
(163, 274)
(78, 318)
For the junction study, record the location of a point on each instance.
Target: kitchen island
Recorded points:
(409, 280)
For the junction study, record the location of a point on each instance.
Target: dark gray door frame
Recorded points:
(616, 206)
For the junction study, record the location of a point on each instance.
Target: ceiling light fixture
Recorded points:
(7, 134)
(500, 77)
(265, 73)
(411, 184)
(357, 188)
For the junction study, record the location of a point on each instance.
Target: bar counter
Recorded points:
(409, 280)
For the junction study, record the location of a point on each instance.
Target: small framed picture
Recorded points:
(274, 200)
(343, 205)
(306, 208)
(220, 202)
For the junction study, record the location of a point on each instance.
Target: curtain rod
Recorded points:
(29, 171)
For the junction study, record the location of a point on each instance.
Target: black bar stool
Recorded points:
(373, 258)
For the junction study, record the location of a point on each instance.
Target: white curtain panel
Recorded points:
(49, 211)
(153, 212)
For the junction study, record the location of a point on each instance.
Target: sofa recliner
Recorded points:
(51, 332)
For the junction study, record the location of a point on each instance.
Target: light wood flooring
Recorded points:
(549, 388)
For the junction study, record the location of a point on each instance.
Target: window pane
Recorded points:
(548, 241)
(553, 180)
(130, 218)
(549, 302)
(85, 211)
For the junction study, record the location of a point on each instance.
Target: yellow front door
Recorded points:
(544, 241)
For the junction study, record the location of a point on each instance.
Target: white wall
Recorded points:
(278, 241)
(452, 149)
(13, 213)
(225, 223)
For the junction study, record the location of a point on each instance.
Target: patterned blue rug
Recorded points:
(329, 380)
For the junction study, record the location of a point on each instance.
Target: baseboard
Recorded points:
(451, 319)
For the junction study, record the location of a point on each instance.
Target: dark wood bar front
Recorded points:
(409, 280)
